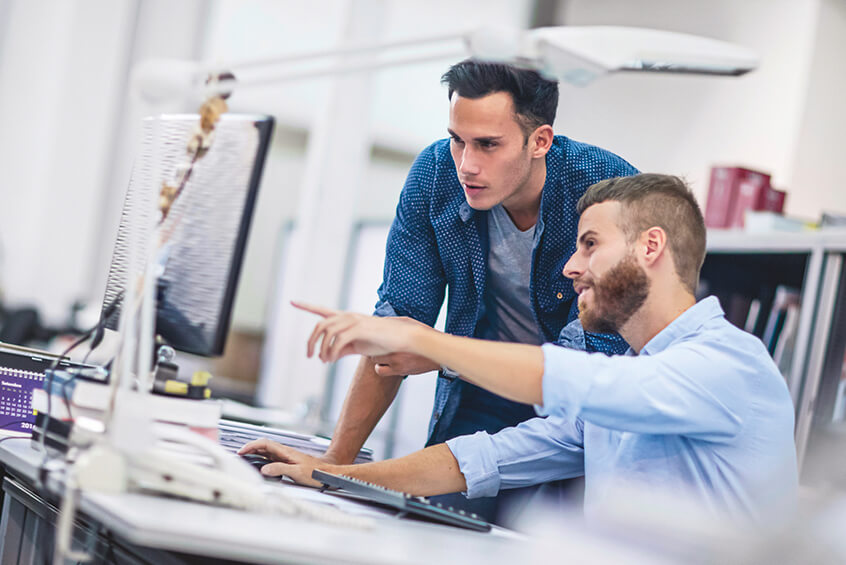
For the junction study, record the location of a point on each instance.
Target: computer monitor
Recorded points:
(209, 223)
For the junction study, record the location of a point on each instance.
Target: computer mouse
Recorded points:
(256, 460)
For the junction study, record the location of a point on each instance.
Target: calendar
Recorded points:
(22, 370)
(16, 413)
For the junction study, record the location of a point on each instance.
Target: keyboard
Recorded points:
(232, 435)
(405, 503)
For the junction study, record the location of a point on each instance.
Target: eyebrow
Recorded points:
(483, 139)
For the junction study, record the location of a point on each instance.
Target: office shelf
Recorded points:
(741, 264)
(775, 242)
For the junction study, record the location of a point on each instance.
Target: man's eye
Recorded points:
(456, 139)
(589, 243)
(487, 144)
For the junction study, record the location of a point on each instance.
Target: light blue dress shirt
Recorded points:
(702, 411)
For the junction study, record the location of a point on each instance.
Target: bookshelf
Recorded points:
(740, 267)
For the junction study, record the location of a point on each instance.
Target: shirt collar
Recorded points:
(554, 172)
(465, 212)
(689, 321)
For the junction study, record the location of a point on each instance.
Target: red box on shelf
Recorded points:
(751, 194)
(774, 200)
(733, 190)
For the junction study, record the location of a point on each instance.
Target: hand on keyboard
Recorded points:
(285, 461)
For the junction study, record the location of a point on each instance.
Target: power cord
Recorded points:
(96, 333)
(8, 424)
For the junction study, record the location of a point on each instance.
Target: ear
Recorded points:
(542, 141)
(653, 243)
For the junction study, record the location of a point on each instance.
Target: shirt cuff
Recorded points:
(566, 380)
(385, 310)
(477, 461)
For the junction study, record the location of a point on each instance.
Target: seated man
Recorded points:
(696, 406)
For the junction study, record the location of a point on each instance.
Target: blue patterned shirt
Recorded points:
(701, 412)
(438, 242)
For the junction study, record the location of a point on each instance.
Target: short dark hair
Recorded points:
(649, 200)
(535, 98)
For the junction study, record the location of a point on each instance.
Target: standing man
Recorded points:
(489, 214)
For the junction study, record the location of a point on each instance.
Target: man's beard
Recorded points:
(616, 297)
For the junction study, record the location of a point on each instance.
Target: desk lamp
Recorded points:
(575, 55)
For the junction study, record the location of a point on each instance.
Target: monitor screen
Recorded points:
(207, 226)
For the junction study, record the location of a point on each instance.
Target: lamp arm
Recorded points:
(248, 64)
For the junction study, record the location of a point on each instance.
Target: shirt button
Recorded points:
(560, 295)
(437, 415)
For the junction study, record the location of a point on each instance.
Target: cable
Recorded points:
(98, 333)
(48, 376)
(7, 424)
(2, 439)
(108, 312)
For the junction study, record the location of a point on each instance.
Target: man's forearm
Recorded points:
(368, 398)
(427, 472)
(512, 370)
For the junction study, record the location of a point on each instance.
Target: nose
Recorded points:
(468, 165)
(575, 266)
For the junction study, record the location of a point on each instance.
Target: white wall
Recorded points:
(60, 85)
(685, 124)
(68, 136)
(408, 105)
(817, 183)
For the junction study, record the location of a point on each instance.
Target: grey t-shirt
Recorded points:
(508, 317)
(509, 309)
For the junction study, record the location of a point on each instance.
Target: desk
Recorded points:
(137, 528)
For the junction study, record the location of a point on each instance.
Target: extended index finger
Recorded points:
(314, 309)
(254, 446)
(270, 448)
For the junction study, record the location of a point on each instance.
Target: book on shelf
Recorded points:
(750, 194)
(724, 195)
(786, 301)
(785, 343)
(745, 310)
(763, 221)
(753, 198)
(839, 411)
(833, 220)
(773, 200)
(752, 316)
(737, 306)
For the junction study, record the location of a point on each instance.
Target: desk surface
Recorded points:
(200, 529)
